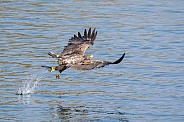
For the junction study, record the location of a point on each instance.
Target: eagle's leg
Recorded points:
(52, 70)
(61, 68)
(58, 76)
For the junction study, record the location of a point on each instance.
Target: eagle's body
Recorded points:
(74, 56)
(70, 59)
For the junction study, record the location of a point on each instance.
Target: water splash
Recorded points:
(31, 83)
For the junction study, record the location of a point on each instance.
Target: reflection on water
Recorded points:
(82, 113)
(146, 86)
(67, 113)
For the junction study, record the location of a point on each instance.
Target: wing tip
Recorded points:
(119, 60)
(87, 35)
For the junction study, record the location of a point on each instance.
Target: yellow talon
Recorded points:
(58, 76)
(52, 69)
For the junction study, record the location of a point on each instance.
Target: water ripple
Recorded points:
(146, 86)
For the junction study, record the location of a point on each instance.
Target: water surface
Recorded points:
(146, 86)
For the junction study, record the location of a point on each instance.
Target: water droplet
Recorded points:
(29, 86)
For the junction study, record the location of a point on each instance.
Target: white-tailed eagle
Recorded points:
(74, 56)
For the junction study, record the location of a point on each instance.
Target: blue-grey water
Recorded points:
(148, 85)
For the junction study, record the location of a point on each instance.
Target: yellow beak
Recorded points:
(52, 69)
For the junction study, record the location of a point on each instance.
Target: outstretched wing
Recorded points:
(92, 64)
(79, 44)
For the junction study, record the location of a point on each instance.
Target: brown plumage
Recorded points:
(73, 54)
(79, 44)
(92, 64)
